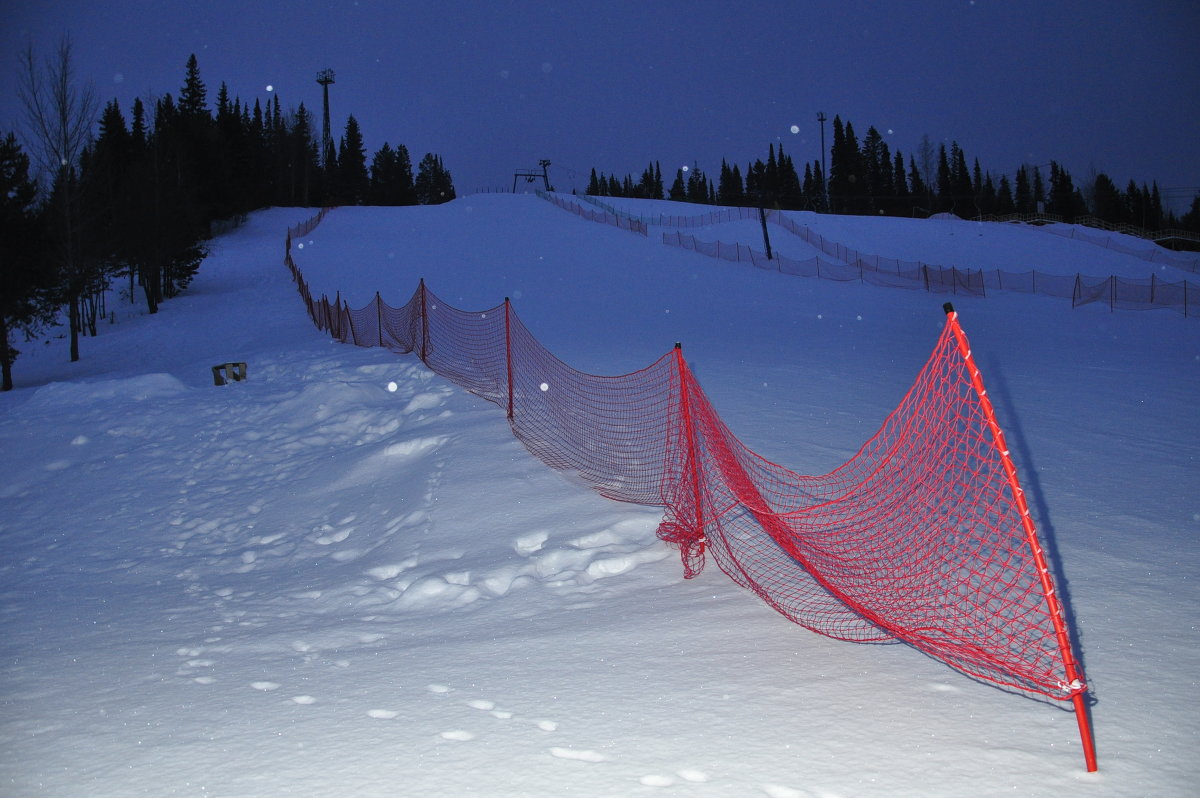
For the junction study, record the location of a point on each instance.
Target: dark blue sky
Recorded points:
(1112, 85)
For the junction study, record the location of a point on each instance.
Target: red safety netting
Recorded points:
(923, 537)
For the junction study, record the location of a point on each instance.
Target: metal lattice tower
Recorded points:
(325, 77)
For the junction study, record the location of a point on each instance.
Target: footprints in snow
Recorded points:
(494, 718)
(567, 753)
(437, 580)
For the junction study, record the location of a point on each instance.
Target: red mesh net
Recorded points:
(922, 537)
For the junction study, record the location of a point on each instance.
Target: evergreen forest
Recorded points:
(97, 198)
(103, 197)
(867, 178)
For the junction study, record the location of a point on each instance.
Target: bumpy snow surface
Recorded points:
(344, 577)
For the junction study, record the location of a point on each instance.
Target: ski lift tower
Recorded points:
(325, 77)
(530, 175)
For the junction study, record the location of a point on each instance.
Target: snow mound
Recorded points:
(136, 389)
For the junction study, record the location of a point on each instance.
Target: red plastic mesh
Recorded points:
(921, 537)
(918, 538)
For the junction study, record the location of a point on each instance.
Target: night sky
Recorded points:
(492, 87)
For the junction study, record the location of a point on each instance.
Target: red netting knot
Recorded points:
(1072, 688)
(691, 542)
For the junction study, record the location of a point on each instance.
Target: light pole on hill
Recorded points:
(824, 178)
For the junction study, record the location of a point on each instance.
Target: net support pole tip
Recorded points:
(948, 307)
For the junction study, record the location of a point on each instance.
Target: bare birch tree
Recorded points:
(59, 115)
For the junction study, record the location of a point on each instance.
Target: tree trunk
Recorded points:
(6, 360)
(74, 317)
(149, 281)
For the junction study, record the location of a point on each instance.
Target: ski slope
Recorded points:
(344, 576)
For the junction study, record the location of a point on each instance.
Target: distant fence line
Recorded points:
(913, 275)
(664, 220)
(1117, 292)
(1046, 222)
(1155, 255)
(1171, 234)
(841, 554)
(622, 221)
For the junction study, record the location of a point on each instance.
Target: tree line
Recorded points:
(866, 177)
(97, 195)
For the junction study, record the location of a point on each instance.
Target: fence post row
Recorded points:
(508, 355)
(424, 353)
(713, 458)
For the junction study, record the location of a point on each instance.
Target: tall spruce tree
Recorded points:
(921, 193)
(1106, 200)
(27, 301)
(433, 183)
(1038, 192)
(391, 177)
(678, 191)
(1191, 219)
(1023, 194)
(352, 182)
(1004, 197)
(846, 194)
(729, 189)
(790, 192)
(875, 160)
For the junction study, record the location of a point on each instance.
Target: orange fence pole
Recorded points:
(1074, 682)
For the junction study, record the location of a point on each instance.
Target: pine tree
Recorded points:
(191, 130)
(1191, 219)
(846, 180)
(299, 159)
(790, 191)
(110, 186)
(648, 186)
(1023, 196)
(167, 224)
(433, 183)
(391, 181)
(920, 191)
(678, 191)
(1106, 200)
(193, 96)
(755, 181)
(1061, 201)
(1156, 207)
(352, 183)
(872, 157)
(927, 160)
(945, 182)
(987, 197)
(1038, 192)
(27, 304)
(730, 191)
(813, 188)
(770, 180)
(900, 183)
(697, 186)
(839, 186)
(961, 192)
(1004, 197)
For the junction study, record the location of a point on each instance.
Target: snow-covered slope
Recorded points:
(344, 577)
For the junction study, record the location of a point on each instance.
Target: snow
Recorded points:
(343, 576)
